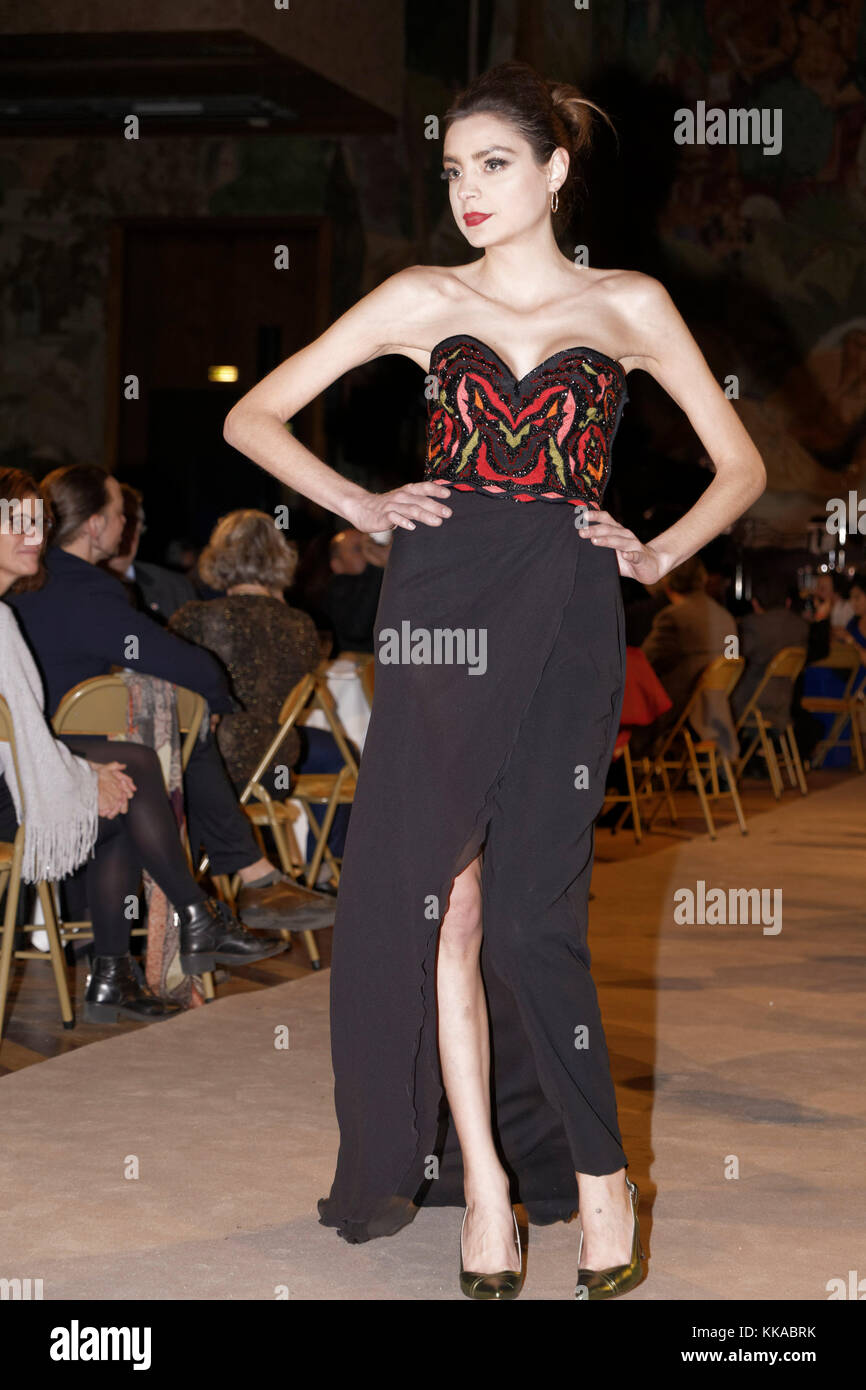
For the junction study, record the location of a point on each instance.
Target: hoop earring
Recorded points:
(554, 200)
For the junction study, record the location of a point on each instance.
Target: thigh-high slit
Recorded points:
(512, 759)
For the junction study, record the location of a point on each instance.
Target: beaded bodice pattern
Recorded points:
(545, 437)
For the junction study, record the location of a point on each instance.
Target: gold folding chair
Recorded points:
(722, 675)
(11, 857)
(785, 665)
(846, 707)
(328, 789)
(622, 750)
(277, 815)
(367, 672)
(100, 706)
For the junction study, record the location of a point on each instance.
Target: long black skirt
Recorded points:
(503, 748)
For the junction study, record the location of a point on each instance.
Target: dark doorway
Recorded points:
(193, 295)
(193, 476)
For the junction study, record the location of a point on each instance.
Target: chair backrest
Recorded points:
(841, 657)
(190, 712)
(100, 706)
(293, 704)
(7, 735)
(722, 674)
(96, 706)
(323, 697)
(786, 664)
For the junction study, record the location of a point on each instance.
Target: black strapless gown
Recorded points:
(505, 746)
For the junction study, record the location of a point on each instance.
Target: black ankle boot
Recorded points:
(116, 989)
(210, 934)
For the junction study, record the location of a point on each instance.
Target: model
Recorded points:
(469, 1056)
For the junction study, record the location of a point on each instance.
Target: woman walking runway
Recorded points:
(469, 1055)
(490, 759)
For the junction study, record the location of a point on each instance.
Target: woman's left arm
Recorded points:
(666, 349)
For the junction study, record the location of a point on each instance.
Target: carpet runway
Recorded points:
(184, 1160)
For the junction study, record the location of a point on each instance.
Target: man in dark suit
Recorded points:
(772, 626)
(152, 588)
(81, 624)
(685, 637)
(357, 569)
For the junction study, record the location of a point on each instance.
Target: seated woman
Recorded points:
(90, 797)
(267, 647)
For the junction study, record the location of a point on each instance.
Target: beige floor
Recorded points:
(729, 1046)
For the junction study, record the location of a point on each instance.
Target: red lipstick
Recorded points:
(472, 219)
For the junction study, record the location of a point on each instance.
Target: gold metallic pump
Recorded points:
(610, 1283)
(506, 1283)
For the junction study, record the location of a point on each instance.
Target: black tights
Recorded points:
(145, 837)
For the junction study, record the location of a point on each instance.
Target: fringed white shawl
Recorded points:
(60, 792)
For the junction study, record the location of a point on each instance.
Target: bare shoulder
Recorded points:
(422, 296)
(417, 286)
(393, 315)
(651, 325)
(640, 293)
(661, 344)
(396, 296)
(383, 321)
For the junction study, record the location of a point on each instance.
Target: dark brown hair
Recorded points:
(76, 493)
(246, 547)
(771, 586)
(548, 114)
(688, 578)
(16, 486)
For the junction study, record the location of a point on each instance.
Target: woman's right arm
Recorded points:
(256, 425)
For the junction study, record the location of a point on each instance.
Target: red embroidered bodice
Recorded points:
(546, 437)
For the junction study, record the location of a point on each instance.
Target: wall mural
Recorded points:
(774, 242)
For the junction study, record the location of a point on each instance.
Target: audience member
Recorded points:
(87, 800)
(771, 626)
(267, 647)
(855, 630)
(181, 555)
(357, 567)
(152, 588)
(685, 637)
(80, 624)
(641, 603)
(830, 602)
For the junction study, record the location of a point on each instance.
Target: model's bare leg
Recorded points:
(464, 1051)
(608, 1220)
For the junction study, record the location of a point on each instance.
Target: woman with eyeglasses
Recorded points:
(104, 806)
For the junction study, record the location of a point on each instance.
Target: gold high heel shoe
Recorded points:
(610, 1283)
(506, 1283)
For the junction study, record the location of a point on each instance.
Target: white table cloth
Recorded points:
(353, 711)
